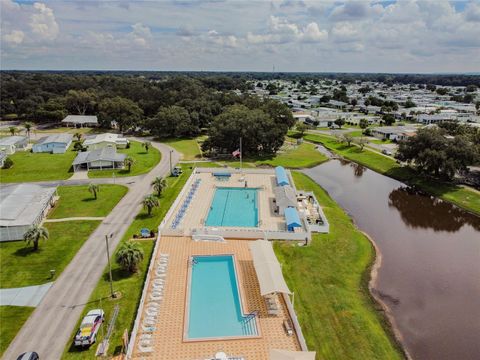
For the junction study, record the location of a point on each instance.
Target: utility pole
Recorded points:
(109, 267)
(171, 170)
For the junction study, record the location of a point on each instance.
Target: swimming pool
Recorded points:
(214, 308)
(233, 207)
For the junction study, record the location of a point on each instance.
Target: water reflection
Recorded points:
(358, 169)
(422, 211)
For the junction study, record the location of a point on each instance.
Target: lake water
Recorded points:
(430, 273)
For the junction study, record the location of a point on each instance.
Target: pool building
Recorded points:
(215, 289)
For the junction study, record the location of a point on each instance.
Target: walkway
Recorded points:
(24, 296)
(56, 316)
(74, 219)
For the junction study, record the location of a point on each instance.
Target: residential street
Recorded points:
(49, 328)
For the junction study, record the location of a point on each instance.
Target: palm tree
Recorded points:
(94, 189)
(78, 136)
(13, 130)
(149, 202)
(28, 126)
(159, 184)
(129, 256)
(34, 234)
(147, 145)
(129, 162)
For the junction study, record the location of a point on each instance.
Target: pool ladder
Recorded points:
(249, 327)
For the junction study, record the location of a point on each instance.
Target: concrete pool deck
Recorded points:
(164, 338)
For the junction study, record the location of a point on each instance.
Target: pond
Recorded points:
(430, 273)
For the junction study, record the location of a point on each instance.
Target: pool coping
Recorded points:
(242, 305)
(257, 206)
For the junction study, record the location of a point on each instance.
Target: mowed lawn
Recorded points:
(330, 280)
(129, 286)
(144, 162)
(189, 148)
(12, 319)
(301, 156)
(76, 201)
(21, 266)
(28, 166)
(464, 197)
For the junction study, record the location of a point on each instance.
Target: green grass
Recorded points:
(78, 201)
(188, 147)
(70, 130)
(144, 162)
(130, 286)
(461, 196)
(381, 142)
(23, 267)
(12, 319)
(356, 133)
(302, 156)
(28, 166)
(339, 319)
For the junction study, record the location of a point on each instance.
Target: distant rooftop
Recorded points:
(56, 138)
(81, 119)
(12, 140)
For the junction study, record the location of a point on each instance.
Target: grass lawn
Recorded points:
(464, 197)
(78, 201)
(144, 162)
(339, 319)
(356, 133)
(28, 166)
(12, 319)
(303, 156)
(188, 147)
(23, 267)
(130, 286)
(69, 130)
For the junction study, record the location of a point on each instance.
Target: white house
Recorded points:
(394, 133)
(103, 140)
(10, 144)
(80, 120)
(99, 159)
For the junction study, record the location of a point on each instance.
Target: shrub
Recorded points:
(8, 163)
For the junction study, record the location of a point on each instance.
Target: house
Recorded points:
(10, 144)
(80, 120)
(434, 118)
(103, 140)
(394, 133)
(99, 159)
(23, 205)
(285, 197)
(55, 144)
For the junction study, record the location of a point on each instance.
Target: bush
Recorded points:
(8, 163)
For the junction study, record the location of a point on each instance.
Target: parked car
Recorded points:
(87, 334)
(177, 171)
(31, 355)
(386, 152)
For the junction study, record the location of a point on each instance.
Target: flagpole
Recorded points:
(241, 169)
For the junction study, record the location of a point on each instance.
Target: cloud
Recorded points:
(141, 34)
(15, 37)
(345, 32)
(43, 23)
(472, 12)
(355, 10)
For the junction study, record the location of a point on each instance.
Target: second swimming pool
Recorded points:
(233, 207)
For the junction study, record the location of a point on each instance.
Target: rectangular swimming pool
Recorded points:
(235, 207)
(214, 308)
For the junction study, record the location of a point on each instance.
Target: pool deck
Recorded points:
(198, 209)
(166, 341)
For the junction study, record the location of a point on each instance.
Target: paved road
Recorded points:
(48, 329)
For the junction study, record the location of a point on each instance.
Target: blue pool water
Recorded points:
(214, 306)
(233, 207)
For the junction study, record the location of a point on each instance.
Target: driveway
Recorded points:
(49, 328)
(24, 296)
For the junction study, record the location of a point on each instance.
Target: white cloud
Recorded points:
(472, 12)
(15, 37)
(141, 34)
(345, 32)
(312, 33)
(43, 23)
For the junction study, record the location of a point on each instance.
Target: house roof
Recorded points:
(12, 140)
(81, 119)
(104, 154)
(292, 218)
(106, 137)
(55, 138)
(21, 204)
(285, 196)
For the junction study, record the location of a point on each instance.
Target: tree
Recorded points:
(28, 127)
(159, 184)
(129, 256)
(354, 102)
(172, 121)
(340, 122)
(78, 135)
(147, 145)
(80, 101)
(78, 146)
(409, 103)
(363, 124)
(8, 163)
(12, 130)
(149, 202)
(348, 138)
(122, 110)
(388, 119)
(129, 162)
(94, 189)
(301, 128)
(361, 142)
(34, 234)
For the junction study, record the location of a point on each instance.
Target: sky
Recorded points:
(407, 36)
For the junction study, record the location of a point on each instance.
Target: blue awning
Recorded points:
(282, 178)
(292, 218)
